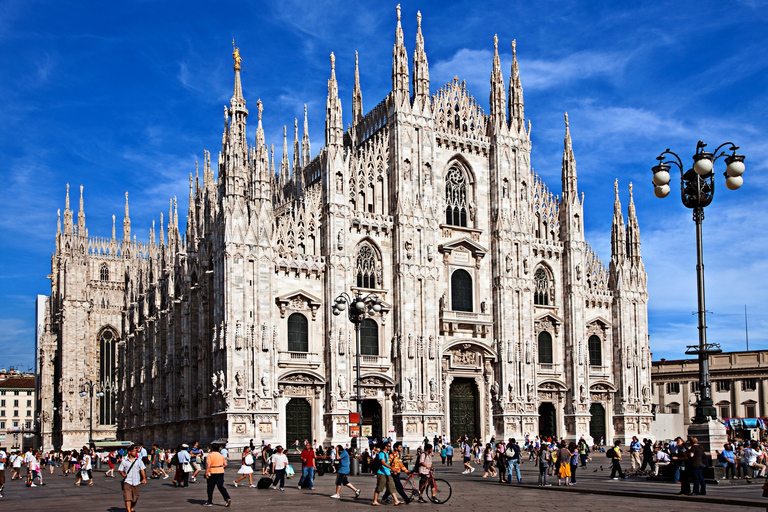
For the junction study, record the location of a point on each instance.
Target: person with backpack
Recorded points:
(512, 455)
(583, 452)
(384, 475)
(542, 461)
(424, 467)
(133, 471)
(615, 455)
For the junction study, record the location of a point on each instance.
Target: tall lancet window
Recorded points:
(456, 198)
(366, 267)
(104, 272)
(543, 291)
(107, 376)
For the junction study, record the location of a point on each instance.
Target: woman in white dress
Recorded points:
(246, 469)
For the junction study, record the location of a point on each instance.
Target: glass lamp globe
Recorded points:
(660, 178)
(377, 307)
(83, 393)
(336, 312)
(661, 191)
(702, 166)
(341, 305)
(360, 305)
(734, 182)
(735, 168)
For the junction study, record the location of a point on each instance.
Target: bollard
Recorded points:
(354, 466)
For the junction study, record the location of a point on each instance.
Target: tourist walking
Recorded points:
(467, 451)
(246, 469)
(564, 464)
(214, 473)
(308, 466)
(342, 473)
(3, 461)
(615, 454)
(184, 467)
(542, 462)
(133, 472)
(424, 467)
(397, 466)
(384, 475)
(279, 460)
(448, 454)
(512, 454)
(696, 454)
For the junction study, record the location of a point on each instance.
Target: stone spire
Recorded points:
(113, 227)
(420, 68)
(260, 139)
(618, 240)
(68, 226)
(58, 223)
(162, 230)
(126, 222)
(285, 166)
(633, 232)
(570, 190)
(191, 209)
(357, 97)
(516, 105)
(334, 126)
(297, 181)
(498, 99)
(81, 216)
(306, 153)
(238, 93)
(399, 63)
(235, 148)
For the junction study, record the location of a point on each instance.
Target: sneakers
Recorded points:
(193, 479)
(311, 488)
(335, 496)
(465, 472)
(472, 470)
(357, 493)
(273, 487)
(166, 477)
(282, 488)
(206, 504)
(229, 502)
(252, 486)
(235, 482)
(614, 478)
(298, 487)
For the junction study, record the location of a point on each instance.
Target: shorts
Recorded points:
(466, 459)
(195, 465)
(157, 465)
(381, 483)
(341, 479)
(2, 478)
(131, 492)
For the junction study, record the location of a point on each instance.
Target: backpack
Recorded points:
(375, 464)
(610, 453)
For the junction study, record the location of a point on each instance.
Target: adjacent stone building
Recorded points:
(498, 319)
(17, 409)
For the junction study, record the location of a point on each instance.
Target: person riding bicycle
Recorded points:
(424, 468)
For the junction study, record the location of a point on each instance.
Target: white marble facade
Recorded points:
(490, 288)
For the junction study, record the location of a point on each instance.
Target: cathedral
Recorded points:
(497, 318)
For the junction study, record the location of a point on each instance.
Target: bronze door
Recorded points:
(298, 421)
(597, 423)
(547, 420)
(463, 404)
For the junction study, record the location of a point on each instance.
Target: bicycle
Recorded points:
(437, 490)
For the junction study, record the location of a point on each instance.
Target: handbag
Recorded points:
(289, 471)
(186, 467)
(84, 475)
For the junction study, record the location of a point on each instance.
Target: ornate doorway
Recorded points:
(547, 420)
(298, 421)
(597, 423)
(464, 409)
(372, 417)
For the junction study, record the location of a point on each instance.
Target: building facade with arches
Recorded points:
(498, 317)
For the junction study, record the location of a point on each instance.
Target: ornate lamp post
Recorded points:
(358, 308)
(87, 388)
(697, 188)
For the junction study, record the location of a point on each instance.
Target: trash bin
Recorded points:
(98, 462)
(354, 466)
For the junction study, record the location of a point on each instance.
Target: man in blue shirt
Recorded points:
(195, 452)
(384, 476)
(342, 456)
(449, 454)
(634, 452)
(467, 458)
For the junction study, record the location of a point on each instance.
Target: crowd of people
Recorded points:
(682, 461)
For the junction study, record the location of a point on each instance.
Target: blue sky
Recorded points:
(127, 95)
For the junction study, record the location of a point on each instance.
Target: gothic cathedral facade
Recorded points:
(498, 318)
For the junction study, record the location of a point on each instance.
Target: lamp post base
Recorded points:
(711, 435)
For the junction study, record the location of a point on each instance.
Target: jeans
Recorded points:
(543, 474)
(583, 458)
(308, 472)
(216, 480)
(513, 464)
(279, 477)
(573, 472)
(699, 484)
(677, 473)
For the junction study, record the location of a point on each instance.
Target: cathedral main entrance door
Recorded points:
(372, 417)
(464, 411)
(597, 423)
(547, 420)
(298, 421)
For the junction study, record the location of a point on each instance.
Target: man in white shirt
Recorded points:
(132, 468)
(661, 459)
(29, 460)
(751, 453)
(16, 461)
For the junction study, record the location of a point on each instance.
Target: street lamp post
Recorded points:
(358, 308)
(697, 188)
(87, 388)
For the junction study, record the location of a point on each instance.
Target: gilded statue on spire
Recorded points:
(236, 55)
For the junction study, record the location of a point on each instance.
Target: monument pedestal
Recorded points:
(711, 435)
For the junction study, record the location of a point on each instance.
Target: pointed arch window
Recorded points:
(107, 376)
(104, 272)
(543, 288)
(461, 291)
(298, 333)
(365, 267)
(369, 338)
(595, 350)
(456, 198)
(545, 348)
